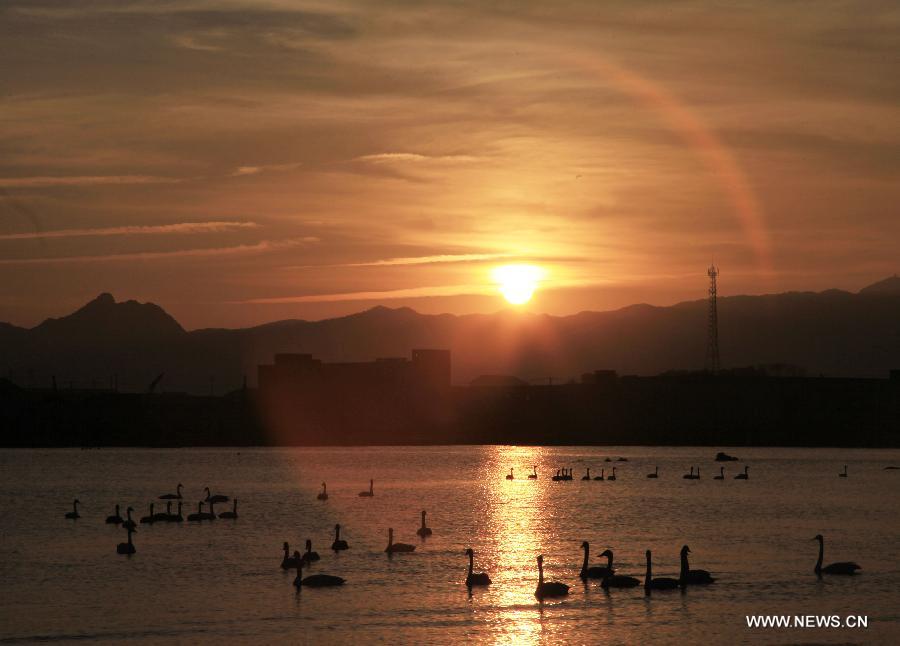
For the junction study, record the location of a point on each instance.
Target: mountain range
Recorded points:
(833, 333)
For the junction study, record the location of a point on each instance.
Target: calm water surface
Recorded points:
(216, 581)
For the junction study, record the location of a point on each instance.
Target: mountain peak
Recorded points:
(890, 285)
(104, 317)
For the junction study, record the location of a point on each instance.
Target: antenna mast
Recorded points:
(712, 346)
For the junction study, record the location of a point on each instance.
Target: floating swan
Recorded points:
(547, 589)
(129, 523)
(689, 476)
(315, 580)
(600, 477)
(287, 562)
(74, 513)
(310, 556)
(423, 531)
(845, 567)
(199, 515)
(587, 476)
(613, 476)
(617, 580)
(324, 494)
(149, 519)
(659, 583)
(397, 547)
(370, 492)
(721, 475)
(533, 475)
(596, 572)
(176, 517)
(743, 476)
(655, 473)
(689, 576)
(128, 547)
(509, 476)
(115, 519)
(338, 544)
(173, 496)
(163, 516)
(230, 514)
(216, 498)
(844, 474)
(481, 578)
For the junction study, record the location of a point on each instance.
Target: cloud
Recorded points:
(412, 292)
(260, 247)
(84, 180)
(242, 171)
(180, 227)
(421, 260)
(400, 158)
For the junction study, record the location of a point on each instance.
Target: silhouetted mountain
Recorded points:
(835, 333)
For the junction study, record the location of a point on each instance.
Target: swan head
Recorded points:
(285, 546)
(647, 554)
(76, 502)
(540, 559)
(606, 553)
(337, 528)
(685, 550)
(130, 509)
(585, 545)
(469, 552)
(206, 489)
(819, 538)
(308, 545)
(297, 556)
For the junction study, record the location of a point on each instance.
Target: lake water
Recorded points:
(215, 581)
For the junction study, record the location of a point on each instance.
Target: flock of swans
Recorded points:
(605, 574)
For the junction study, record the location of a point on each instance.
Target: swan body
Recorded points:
(115, 519)
(596, 572)
(309, 556)
(659, 583)
(176, 517)
(213, 499)
(689, 476)
(613, 476)
(173, 496)
(315, 580)
(655, 473)
(74, 515)
(149, 519)
(288, 562)
(587, 476)
(163, 516)
(689, 576)
(324, 494)
(743, 476)
(397, 547)
(230, 514)
(601, 476)
(475, 578)
(721, 475)
(338, 544)
(127, 547)
(843, 568)
(370, 492)
(509, 476)
(424, 531)
(199, 515)
(844, 474)
(533, 474)
(546, 589)
(567, 474)
(557, 477)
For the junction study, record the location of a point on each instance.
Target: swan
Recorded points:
(199, 515)
(548, 588)
(216, 498)
(163, 515)
(128, 547)
(596, 572)
(557, 477)
(472, 578)
(149, 519)
(845, 567)
(617, 580)
(397, 547)
(310, 556)
(338, 544)
(176, 517)
(74, 513)
(697, 475)
(370, 492)
(655, 473)
(173, 496)
(288, 562)
(423, 531)
(129, 523)
(533, 475)
(659, 583)
(613, 476)
(844, 474)
(689, 576)
(587, 476)
(600, 477)
(315, 580)
(211, 514)
(324, 494)
(689, 476)
(510, 475)
(743, 476)
(721, 475)
(567, 474)
(115, 519)
(230, 514)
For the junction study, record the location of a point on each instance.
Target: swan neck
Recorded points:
(821, 555)
(584, 566)
(540, 573)
(471, 563)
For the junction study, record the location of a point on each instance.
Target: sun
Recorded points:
(517, 283)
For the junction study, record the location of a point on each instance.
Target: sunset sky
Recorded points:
(241, 161)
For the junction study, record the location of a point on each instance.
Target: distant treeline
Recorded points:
(667, 410)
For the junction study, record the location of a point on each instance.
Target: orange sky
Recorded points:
(242, 161)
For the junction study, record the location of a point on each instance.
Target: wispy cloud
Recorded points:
(389, 158)
(85, 180)
(242, 171)
(260, 247)
(412, 292)
(419, 260)
(180, 227)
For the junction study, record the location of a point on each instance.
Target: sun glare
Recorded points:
(517, 283)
